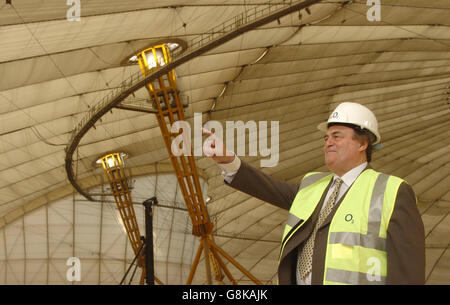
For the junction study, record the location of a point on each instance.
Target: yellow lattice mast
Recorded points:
(166, 100)
(113, 167)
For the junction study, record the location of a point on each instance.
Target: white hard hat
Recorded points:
(354, 114)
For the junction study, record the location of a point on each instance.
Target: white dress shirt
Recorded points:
(230, 169)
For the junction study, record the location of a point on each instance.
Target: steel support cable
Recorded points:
(132, 263)
(53, 144)
(137, 81)
(363, 2)
(32, 36)
(437, 40)
(60, 71)
(444, 248)
(430, 273)
(267, 49)
(405, 80)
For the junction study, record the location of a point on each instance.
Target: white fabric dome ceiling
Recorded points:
(54, 70)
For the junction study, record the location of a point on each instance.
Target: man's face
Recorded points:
(342, 151)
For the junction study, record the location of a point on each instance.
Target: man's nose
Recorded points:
(328, 142)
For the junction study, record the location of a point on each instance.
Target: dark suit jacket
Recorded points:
(405, 235)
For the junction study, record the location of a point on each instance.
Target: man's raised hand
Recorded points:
(214, 148)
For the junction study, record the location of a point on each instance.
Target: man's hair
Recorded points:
(362, 136)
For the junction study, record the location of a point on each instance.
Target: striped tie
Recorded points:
(305, 255)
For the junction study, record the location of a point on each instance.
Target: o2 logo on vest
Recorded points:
(349, 218)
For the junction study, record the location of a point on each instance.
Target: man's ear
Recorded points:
(363, 146)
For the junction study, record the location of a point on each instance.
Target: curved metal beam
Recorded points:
(240, 24)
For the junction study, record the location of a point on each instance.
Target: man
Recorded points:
(351, 226)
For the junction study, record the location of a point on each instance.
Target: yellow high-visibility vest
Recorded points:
(356, 244)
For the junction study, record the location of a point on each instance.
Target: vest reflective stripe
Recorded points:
(376, 204)
(353, 277)
(310, 179)
(293, 220)
(356, 239)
